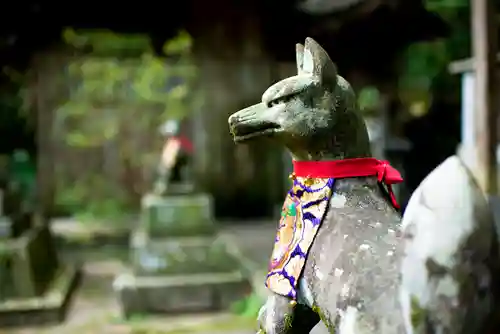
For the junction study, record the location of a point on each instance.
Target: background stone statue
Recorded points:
(174, 159)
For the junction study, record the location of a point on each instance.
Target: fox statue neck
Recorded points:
(348, 139)
(306, 155)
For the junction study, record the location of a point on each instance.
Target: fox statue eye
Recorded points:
(279, 100)
(273, 103)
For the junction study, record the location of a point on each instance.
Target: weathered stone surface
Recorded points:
(177, 216)
(28, 264)
(5, 227)
(180, 256)
(451, 265)
(14, 225)
(183, 188)
(178, 293)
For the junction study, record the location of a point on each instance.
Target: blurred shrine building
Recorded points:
(240, 48)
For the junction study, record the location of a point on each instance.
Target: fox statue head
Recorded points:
(314, 113)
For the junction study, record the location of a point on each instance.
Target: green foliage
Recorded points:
(117, 90)
(92, 198)
(119, 93)
(425, 63)
(179, 45)
(446, 5)
(108, 43)
(248, 307)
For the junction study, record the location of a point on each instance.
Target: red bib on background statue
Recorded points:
(171, 149)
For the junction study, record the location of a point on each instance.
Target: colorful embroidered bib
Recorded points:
(301, 216)
(304, 209)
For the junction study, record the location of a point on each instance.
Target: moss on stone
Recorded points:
(248, 307)
(417, 313)
(331, 327)
(288, 321)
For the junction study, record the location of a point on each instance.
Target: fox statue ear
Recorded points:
(316, 61)
(299, 52)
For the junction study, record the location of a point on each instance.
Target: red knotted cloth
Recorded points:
(357, 167)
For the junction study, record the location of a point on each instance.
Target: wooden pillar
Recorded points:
(48, 90)
(484, 51)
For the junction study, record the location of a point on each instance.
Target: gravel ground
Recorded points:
(95, 309)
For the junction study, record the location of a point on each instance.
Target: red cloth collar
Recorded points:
(358, 167)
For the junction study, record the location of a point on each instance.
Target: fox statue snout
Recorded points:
(254, 121)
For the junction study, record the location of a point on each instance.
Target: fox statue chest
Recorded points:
(303, 211)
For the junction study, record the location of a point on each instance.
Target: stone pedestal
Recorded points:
(176, 262)
(34, 287)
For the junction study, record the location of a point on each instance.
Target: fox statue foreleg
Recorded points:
(281, 316)
(275, 316)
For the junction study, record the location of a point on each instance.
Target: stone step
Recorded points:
(49, 307)
(254, 271)
(27, 264)
(252, 244)
(178, 293)
(180, 256)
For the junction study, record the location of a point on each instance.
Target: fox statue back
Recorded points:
(450, 271)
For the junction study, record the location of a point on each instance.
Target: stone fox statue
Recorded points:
(337, 251)
(450, 271)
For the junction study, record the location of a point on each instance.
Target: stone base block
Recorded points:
(51, 307)
(179, 293)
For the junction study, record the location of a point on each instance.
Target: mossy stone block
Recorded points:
(177, 216)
